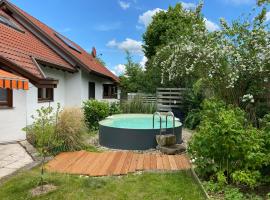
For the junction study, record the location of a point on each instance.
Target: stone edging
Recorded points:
(199, 182)
(30, 150)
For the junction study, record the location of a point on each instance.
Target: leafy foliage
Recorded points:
(133, 79)
(137, 105)
(95, 111)
(232, 62)
(226, 143)
(42, 133)
(56, 131)
(115, 108)
(193, 119)
(168, 27)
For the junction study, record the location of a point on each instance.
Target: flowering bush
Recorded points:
(232, 62)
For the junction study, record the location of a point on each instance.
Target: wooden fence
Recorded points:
(169, 98)
(147, 98)
(166, 99)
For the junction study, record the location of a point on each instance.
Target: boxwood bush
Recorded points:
(95, 111)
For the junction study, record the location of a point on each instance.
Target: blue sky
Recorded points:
(114, 25)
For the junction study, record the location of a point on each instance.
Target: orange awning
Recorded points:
(12, 81)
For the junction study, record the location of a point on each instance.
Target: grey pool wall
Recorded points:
(133, 139)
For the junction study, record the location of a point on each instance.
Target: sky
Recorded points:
(111, 26)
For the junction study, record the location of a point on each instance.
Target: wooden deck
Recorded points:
(115, 163)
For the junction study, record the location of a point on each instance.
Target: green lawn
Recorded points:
(156, 186)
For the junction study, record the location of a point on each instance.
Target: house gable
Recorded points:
(79, 58)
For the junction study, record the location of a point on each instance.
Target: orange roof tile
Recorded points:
(84, 58)
(21, 47)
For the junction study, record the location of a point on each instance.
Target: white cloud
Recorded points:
(133, 46)
(147, 17)
(120, 69)
(112, 43)
(143, 61)
(211, 26)
(268, 16)
(240, 2)
(188, 6)
(124, 5)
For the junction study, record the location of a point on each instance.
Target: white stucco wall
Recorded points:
(71, 90)
(59, 94)
(13, 120)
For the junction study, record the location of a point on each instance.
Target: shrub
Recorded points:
(193, 119)
(226, 143)
(70, 129)
(136, 105)
(115, 108)
(94, 111)
(53, 132)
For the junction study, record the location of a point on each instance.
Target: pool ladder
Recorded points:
(160, 121)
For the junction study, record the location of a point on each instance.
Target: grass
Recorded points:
(147, 186)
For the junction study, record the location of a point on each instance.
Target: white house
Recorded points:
(55, 69)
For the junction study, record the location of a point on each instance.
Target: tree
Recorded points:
(133, 80)
(233, 62)
(261, 2)
(44, 131)
(166, 27)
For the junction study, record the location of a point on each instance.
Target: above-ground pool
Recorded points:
(135, 131)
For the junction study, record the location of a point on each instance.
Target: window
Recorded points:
(5, 97)
(92, 90)
(9, 23)
(45, 94)
(67, 42)
(109, 91)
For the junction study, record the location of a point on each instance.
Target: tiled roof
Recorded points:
(21, 47)
(84, 58)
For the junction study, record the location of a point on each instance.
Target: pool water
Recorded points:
(138, 121)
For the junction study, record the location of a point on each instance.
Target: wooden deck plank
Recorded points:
(93, 165)
(186, 162)
(69, 162)
(166, 163)
(134, 162)
(127, 163)
(172, 163)
(153, 162)
(147, 162)
(140, 162)
(77, 166)
(120, 164)
(105, 167)
(100, 162)
(159, 162)
(59, 160)
(85, 164)
(115, 163)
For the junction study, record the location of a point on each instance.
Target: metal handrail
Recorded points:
(160, 120)
(170, 113)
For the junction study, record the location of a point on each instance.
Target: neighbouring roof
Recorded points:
(23, 47)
